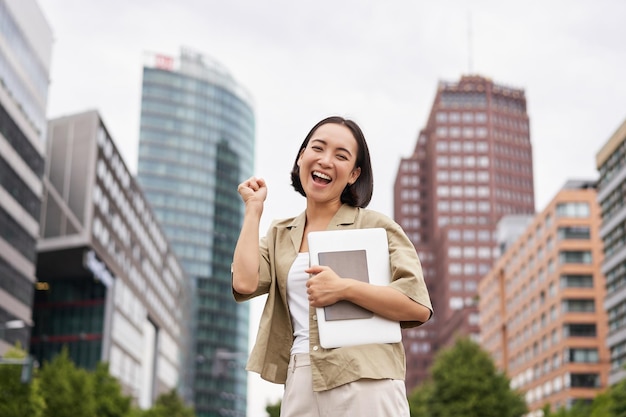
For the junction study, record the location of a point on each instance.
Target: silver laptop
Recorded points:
(361, 254)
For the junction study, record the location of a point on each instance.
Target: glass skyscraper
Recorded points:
(196, 145)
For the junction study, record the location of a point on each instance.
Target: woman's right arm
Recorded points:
(253, 192)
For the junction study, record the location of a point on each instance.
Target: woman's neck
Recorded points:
(318, 216)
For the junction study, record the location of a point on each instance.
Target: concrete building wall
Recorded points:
(541, 306)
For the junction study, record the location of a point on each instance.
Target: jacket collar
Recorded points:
(345, 216)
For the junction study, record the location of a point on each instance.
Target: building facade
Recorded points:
(196, 145)
(472, 164)
(542, 316)
(611, 163)
(109, 285)
(25, 52)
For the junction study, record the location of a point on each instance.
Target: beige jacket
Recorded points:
(330, 367)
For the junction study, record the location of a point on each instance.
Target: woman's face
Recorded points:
(327, 164)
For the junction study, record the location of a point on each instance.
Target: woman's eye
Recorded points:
(316, 148)
(342, 157)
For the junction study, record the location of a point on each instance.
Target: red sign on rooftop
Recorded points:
(164, 62)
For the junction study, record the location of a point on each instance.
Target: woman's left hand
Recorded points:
(325, 287)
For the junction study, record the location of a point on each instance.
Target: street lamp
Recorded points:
(28, 362)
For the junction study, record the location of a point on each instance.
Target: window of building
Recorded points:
(455, 132)
(574, 232)
(454, 252)
(456, 303)
(577, 281)
(482, 146)
(468, 132)
(454, 235)
(454, 117)
(573, 209)
(579, 330)
(456, 285)
(584, 380)
(583, 355)
(578, 306)
(469, 269)
(575, 257)
(455, 269)
(456, 206)
(481, 117)
(441, 116)
(455, 146)
(468, 146)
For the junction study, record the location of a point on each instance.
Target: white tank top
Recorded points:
(298, 301)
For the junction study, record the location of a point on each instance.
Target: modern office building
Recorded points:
(196, 145)
(542, 316)
(109, 285)
(472, 164)
(611, 163)
(25, 52)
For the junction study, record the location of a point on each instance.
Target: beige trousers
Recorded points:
(363, 398)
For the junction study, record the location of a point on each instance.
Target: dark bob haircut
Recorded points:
(360, 192)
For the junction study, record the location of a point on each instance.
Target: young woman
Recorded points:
(333, 171)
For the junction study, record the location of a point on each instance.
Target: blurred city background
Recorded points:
(498, 140)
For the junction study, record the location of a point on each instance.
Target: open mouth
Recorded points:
(320, 177)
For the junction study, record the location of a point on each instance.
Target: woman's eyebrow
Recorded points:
(324, 142)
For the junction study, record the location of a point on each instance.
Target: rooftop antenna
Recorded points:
(469, 43)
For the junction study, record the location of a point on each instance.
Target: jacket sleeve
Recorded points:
(406, 270)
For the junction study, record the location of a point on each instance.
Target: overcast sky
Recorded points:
(377, 62)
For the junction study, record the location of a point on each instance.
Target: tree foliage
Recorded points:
(60, 389)
(465, 382)
(273, 410)
(110, 401)
(169, 405)
(18, 399)
(67, 390)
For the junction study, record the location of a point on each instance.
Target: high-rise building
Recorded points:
(541, 305)
(611, 163)
(196, 145)
(472, 164)
(25, 52)
(109, 285)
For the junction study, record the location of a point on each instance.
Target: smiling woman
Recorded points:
(332, 170)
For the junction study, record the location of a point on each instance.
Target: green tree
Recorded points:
(169, 405)
(467, 383)
(418, 400)
(110, 401)
(67, 390)
(18, 399)
(617, 402)
(273, 410)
